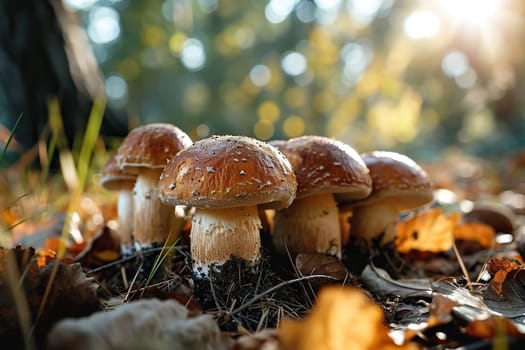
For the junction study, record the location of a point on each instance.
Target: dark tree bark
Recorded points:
(44, 53)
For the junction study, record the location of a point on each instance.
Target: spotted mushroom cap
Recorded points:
(396, 176)
(150, 146)
(325, 165)
(228, 171)
(112, 178)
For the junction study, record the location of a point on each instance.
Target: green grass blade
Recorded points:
(11, 135)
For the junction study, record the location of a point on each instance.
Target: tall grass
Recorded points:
(75, 177)
(10, 138)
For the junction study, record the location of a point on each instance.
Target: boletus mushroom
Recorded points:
(145, 152)
(226, 178)
(112, 178)
(327, 171)
(398, 184)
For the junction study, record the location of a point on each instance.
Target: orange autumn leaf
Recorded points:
(44, 257)
(427, 231)
(484, 234)
(492, 327)
(500, 268)
(343, 318)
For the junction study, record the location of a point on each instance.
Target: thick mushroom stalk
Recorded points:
(219, 234)
(371, 221)
(227, 179)
(125, 220)
(144, 153)
(112, 178)
(399, 185)
(327, 171)
(316, 218)
(153, 219)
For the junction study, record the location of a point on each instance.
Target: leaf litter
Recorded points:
(423, 296)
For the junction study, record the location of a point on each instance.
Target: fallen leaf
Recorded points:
(342, 318)
(493, 327)
(143, 324)
(70, 294)
(321, 264)
(505, 271)
(104, 248)
(427, 231)
(476, 232)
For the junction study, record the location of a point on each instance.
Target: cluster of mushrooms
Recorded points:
(305, 189)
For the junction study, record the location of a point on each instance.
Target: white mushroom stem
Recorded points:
(371, 221)
(310, 224)
(153, 219)
(125, 218)
(218, 234)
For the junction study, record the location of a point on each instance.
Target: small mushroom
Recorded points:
(327, 171)
(226, 178)
(399, 185)
(145, 152)
(112, 178)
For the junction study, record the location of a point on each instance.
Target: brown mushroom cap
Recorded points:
(150, 145)
(228, 171)
(112, 178)
(397, 176)
(324, 165)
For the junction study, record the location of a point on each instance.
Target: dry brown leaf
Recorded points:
(501, 269)
(483, 234)
(143, 324)
(493, 327)
(343, 318)
(427, 231)
(103, 249)
(71, 294)
(321, 264)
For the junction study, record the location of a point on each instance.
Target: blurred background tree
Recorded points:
(419, 77)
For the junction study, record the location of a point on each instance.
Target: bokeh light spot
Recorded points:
(263, 129)
(421, 24)
(202, 130)
(153, 36)
(116, 90)
(276, 11)
(294, 63)
(260, 75)
(176, 42)
(293, 126)
(268, 111)
(103, 25)
(455, 64)
(193, 56)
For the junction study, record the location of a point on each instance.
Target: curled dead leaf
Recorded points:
(321, 264)
(70, 294)
(343, 318)
(427, 231)
(507, 272)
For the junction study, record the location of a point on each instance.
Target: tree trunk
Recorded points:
(44, 52)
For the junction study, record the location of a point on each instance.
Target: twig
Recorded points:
(274, 288)
(462, 265)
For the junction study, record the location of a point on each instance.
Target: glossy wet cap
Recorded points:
(228, 171)
(397, 177)
(324, 165)
(112, 178)
(150, 146)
